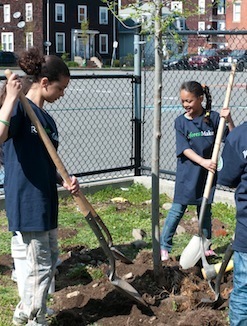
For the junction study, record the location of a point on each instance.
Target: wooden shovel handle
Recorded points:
(80, 199)
(219, 134)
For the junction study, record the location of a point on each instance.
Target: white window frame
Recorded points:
(103, 15)
(60, 12)
(236, 12)
(6, 13)
(101, 43)
(7, 41)
(221, 7)
(29, 12)
(177, 6)
(58, 35)
(201, 7)
(221, 25)
(29, 40)
(201, 26)
(82, 16)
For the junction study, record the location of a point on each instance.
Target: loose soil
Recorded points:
(174, 301)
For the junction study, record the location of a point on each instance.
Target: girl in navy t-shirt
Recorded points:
(195, 135)
(31, 178)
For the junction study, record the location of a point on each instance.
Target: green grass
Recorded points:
(120, 220)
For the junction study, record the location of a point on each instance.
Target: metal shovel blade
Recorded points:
(116, 253)
(124, 287)
(120, 256)
(215, 286)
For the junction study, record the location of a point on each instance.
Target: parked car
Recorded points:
(208, 59)
(7, 58)
(236, 56)
(177, 61)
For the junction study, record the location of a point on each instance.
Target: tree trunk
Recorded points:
(158, 271)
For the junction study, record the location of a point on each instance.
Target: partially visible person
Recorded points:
(233, 173)
(196, 130)
(18, 249)
(31, 178)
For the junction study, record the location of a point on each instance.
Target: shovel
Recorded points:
(116, 253)
(121, 285)
(215, 286)
(81, 201)
(198, 244)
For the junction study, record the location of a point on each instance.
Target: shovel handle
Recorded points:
(220, 132)
(80, 199)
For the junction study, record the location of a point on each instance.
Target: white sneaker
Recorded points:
(164, 255)
(19, 317)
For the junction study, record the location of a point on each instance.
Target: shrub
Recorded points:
(72, 64)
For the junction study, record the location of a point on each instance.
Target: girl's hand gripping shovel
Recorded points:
(198, 244)
(81, 201)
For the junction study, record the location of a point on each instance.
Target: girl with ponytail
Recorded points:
(195, 135)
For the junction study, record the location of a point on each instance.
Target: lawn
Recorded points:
(122, 210)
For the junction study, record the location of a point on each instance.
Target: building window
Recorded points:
(180, 23)
(29, 12)
(29, 40)
(201, 7)
(103, 43)
(103, 15)
(82, 13)
(236, 11)
(221, 7)
(177, 6)
(60, 42)
(7, 40)
(59, 12)
(201, 26)
(221, 25)
(6, 13)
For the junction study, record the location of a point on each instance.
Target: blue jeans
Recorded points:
(41, 258)
(238, 297)
(172, 220)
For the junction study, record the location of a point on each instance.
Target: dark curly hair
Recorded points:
(37, 66)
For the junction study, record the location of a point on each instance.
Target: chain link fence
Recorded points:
(95, 121)
(96, 124)
(212, 75)
(101, 136)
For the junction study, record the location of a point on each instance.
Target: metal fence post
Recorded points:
(137, 102)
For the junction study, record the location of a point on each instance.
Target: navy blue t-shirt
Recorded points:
(30, 175)
(199, 136)
(234, 174)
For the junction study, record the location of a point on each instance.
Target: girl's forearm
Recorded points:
(193, 156)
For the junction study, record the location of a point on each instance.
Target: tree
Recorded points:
(157, 25)
(158, 271)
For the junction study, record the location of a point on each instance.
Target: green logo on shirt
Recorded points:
(206, 133)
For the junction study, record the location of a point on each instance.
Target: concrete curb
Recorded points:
(167, 187)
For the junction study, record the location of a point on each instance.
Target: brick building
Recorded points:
(236, 12)
(55, 27)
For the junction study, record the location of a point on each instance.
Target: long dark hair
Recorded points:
(199, 90)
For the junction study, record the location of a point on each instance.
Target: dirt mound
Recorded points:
(79, 300)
